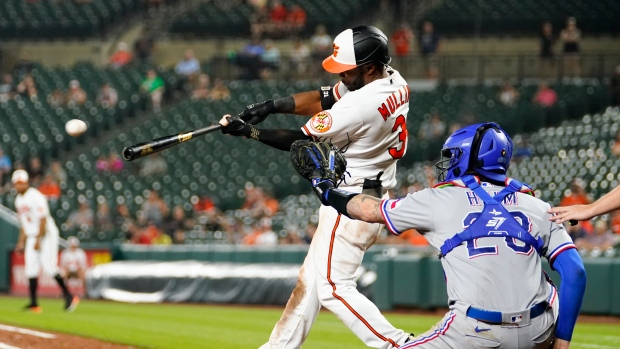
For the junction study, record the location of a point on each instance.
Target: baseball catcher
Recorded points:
(491, 233)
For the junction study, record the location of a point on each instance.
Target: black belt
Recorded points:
(373, 187)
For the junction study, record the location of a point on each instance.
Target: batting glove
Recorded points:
(237, 127)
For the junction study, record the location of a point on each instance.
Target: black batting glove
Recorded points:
(256, 113)
(237, 127)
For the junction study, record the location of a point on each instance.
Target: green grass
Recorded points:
(171, 326)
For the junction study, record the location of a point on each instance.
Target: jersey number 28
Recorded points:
(474, 249)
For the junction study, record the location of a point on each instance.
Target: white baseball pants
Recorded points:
(327, 279)
(46, 257)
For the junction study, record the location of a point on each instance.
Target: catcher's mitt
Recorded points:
(318, 161)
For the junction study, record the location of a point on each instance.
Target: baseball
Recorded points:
(75, 127)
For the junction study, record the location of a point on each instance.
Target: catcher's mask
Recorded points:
(483, 149)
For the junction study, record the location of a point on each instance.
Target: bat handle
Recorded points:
(573, 222)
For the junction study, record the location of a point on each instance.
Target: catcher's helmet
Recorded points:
(483, 149)
(356, 46)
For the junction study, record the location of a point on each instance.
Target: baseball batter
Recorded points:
(491, 233)
(38, 237)
(365, 114)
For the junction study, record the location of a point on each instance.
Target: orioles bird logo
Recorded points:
(336, 48)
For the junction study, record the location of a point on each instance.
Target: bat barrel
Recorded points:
(140, 150)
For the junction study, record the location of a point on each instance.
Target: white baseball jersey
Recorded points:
(73, 260)
(369, 125)
(31, 207)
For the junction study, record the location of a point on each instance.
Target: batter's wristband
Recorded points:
(327, 97)
(338, 199)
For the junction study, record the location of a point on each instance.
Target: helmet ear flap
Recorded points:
(474, 159)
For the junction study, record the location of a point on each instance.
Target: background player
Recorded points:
(489, 229)
(73, 262)
(38, 237)
(365, 113)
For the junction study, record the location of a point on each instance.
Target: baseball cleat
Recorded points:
(33, 309)
(71, 303)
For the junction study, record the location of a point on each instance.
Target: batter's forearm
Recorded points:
(279, 139)
(307, 103)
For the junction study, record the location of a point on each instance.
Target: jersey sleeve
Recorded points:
(410, 212)
(557, 241)
(338, 124)
(339, 90)
(39, 206)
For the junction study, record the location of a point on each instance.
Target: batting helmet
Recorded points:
(483, 149)
(356, 46)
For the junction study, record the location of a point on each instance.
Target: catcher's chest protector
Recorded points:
(494, 220)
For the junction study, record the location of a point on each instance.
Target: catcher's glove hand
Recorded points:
(321, 163)
(256, 113)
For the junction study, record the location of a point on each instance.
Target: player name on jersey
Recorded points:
(393, 102)
(474, 200)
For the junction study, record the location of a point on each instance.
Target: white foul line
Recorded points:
(26, 331)
(6, 346)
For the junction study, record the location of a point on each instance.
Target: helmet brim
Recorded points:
(335, 67)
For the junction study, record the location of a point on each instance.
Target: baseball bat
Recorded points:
(140, 150)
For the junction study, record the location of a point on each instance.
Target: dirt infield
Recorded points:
(60, 341)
